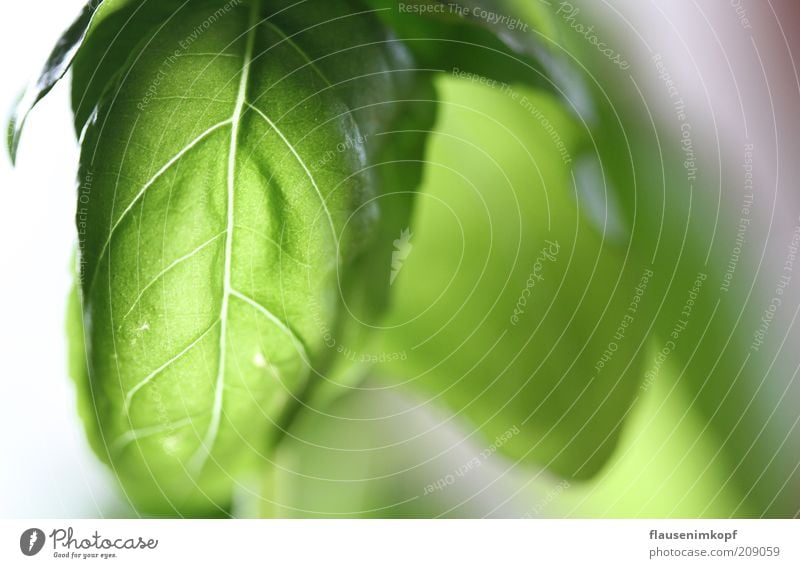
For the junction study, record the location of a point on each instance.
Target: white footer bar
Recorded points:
(400, 543)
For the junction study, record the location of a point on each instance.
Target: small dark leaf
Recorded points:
(54, 69)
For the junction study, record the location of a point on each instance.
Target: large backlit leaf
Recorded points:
(226, 199)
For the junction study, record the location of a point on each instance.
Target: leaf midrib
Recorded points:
(199, 458)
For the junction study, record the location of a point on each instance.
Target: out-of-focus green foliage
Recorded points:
(681, 205)
(512, 307)
(375, 455)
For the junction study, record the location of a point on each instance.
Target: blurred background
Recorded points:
(732, 63)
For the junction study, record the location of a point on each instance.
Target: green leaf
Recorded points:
(512, 309)
(227, 205)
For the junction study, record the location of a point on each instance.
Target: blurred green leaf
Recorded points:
(661, 469)
(490, 38)
(511, 308)
(684, 207)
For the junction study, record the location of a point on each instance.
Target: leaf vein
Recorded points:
(172, 265)
(131, 393)
(137, 434)
(274, 319)
(274, 242)
(305, 168)
(171, 162)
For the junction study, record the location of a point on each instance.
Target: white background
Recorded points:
(397, 543)
(47, 467)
